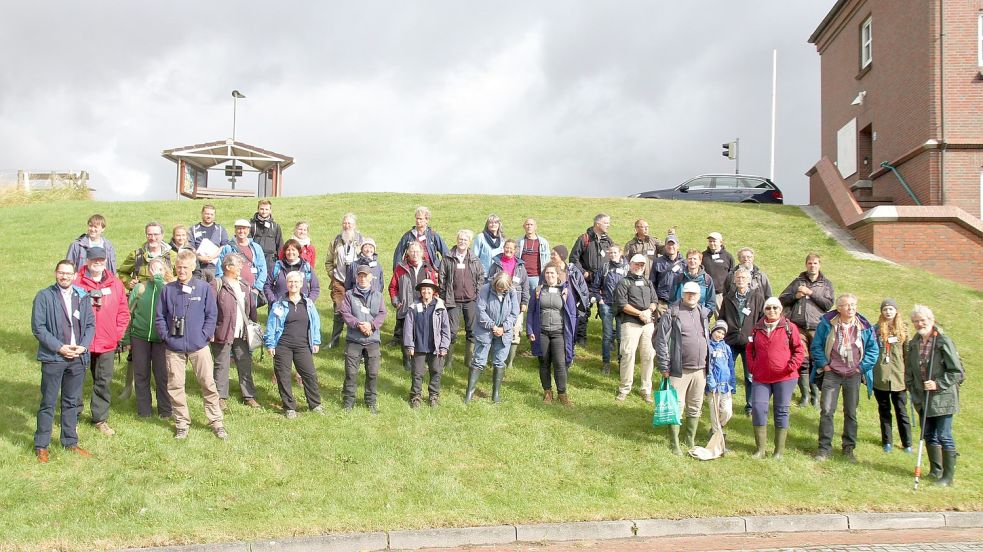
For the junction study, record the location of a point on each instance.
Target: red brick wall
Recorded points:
(953, 249)
(962, 179)
(918, 172)
(828, 191)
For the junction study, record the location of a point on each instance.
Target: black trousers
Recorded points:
(148, 358)
(421, 363)
(301, 358)
(354, 353)
(885, 399)
(62, 379)
(101, 366)
(552, 346)
(469, 312)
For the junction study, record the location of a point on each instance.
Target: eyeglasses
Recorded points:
(773, 308)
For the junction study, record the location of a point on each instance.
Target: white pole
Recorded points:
(774, 87)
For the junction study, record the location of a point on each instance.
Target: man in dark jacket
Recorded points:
(664, 270)
(213, 232)
(635, 305)
(462, 276)
(806, 300)
(64, 325)
(364, 312)
(265, 231)
(589, 254)
(434, 248)
(759, 280)
(185, 320)
(718, 263)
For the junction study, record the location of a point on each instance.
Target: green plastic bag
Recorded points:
(667, 409)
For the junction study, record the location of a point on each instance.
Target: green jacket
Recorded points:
(143, 307)
(945, 369)
(890, 366)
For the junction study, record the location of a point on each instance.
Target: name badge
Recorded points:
(77, 315)
(718, 354)
(253, 269)
(419, 307)
(675, 268)
(365, 310)
(650, 252)
(621, 271)
(187, 289)
(515, 279)
(892, 339)
(750, 339)
(460, 266)
(107, 291)
(279, 310)
(640, 283)
(198, 234)
(373, 264)
(552, 290)
(715, 256)
(746, 311)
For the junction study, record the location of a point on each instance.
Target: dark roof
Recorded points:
(826, 21)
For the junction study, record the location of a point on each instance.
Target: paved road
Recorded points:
(911, 540)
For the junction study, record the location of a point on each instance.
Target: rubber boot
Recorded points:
(564, 400)
(497, 374)
(336, 328)
(934, 460)
(468, 352)
(760, 439)
(780, 436)
(804, 390)
(449, 359)
(547, 396)
(948, 468)
(511, 357)
(473, 376)
(692, 424)
(674, 440)
(815, 395)
(127, 391)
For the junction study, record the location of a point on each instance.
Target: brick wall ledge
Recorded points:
(924, 213)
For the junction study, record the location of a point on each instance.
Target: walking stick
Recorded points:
(921, 440)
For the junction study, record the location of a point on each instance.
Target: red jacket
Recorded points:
(113, 315)
(777, 357)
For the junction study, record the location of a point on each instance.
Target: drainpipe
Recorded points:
(904, 184)
(943, 145)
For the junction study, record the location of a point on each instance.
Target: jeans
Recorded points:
(101, 366)
(354, 353)
(761, 394)
(554, 355)
(65, 378)
(898, 399)
(498, 349)
(938, 431)
(610, 330)
(533, 283)
(832, 382)
(422, 363)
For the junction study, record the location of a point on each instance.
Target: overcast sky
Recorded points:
(596, 98)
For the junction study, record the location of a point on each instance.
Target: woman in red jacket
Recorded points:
(774, 352)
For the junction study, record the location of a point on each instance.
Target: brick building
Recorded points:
(902, 85)
(902, 126)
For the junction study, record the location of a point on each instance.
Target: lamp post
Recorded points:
(235, 100)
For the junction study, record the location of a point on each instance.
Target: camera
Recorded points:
(96, 296)
(177, 328)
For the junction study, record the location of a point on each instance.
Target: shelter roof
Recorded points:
(206, 156)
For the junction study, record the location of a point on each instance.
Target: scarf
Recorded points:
(843, 334)
(493, 241)
(303, 241)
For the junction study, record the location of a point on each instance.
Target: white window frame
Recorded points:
(866, 43)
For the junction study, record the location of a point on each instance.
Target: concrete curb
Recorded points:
(595, 530)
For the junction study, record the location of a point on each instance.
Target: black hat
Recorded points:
(94, 253)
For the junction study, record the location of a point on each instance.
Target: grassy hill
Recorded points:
(519, 461)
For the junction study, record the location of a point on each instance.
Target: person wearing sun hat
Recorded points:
(426, 336)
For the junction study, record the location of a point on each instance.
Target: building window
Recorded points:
(866, 55)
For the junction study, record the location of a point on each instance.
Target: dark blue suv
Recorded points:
(735, 188)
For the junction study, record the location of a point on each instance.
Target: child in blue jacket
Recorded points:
(720, 377)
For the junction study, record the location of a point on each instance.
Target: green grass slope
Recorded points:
(517, 462)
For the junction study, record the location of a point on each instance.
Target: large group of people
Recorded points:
(692, 313)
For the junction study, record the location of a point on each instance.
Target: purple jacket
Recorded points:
(195, 303)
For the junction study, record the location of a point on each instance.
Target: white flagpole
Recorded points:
(774, 88)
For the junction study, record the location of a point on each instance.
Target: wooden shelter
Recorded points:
(195, 162)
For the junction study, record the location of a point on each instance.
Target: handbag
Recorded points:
(254, 332)
(667, 408)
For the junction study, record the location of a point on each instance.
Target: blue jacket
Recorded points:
(720, 376)
(520, 281)
(436, 248)
(259, 263)
(613, 274)
(80, 247)
(663, 273)
(534, 325)
(485, 252)
(708, 291)
(278, 315)
(48, 322)
(489, 308)
(823, 341)
(195, 302)
(276, 283)
(378, 278)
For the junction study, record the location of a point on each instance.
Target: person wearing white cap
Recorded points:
(254, 269)
(718, 262)
(682, 346)
(426, 336)
(635, 303)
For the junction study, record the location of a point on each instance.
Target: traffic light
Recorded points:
(730, 150)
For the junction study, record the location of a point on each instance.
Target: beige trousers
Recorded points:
(634, 335)
(201, 363)
(690, 388)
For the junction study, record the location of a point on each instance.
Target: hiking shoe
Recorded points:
(888, 447)
(621, 397)
(251, 403)
(415, 402)
(290, 414)
(849, 456)
(822, 456)
(104, 428)
(180, 433)
(319, 409)
(223, 404)
(221, 433)
(373, 410)
(348, 407)
(434, 401)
